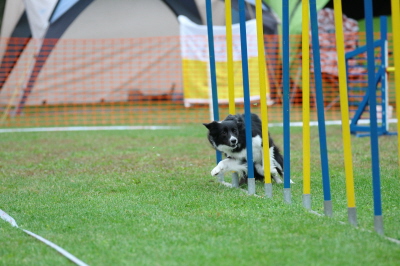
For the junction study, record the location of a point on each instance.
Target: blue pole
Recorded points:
(376, 183)
(246, 93)
(383, 30)
(286, 100)
(212, 67)
(320, 109)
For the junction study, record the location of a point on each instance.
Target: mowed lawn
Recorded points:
(147, 198)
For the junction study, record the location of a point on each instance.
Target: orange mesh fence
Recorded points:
(143, 81)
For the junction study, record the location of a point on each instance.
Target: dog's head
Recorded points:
(225, 133)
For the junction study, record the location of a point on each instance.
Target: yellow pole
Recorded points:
(396, 52)
(231, 81)
(305, 42)
(344, 106)
(264, 87)
(229, 51)
(390, 69)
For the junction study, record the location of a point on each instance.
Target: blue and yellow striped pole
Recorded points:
(376, 183)
(246, 95)
(320, 109)
(286, 101)
(396, 52)
(344, 107)
(229, 55)
(231, 79)
(213, 74)
(305, 51)
(264, 87)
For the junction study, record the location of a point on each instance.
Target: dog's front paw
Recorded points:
(280, 181)
(277, 180)
(217, 170)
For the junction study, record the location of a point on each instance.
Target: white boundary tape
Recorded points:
(328, 123)
(49, 129)
(59, 249)
(9, 219)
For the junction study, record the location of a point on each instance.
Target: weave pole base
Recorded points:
(251, 184)
(268, 190)
(220, 177)
(235, 180)
(287, 196)
(328, 208)
(352, 215)
(307, 201)
(378, 224)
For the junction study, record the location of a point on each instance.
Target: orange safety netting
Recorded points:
(71, 82)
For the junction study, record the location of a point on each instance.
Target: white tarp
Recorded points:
(195, 61)
(113, 50)
(12, 12)
(39, 13)
(191, 49)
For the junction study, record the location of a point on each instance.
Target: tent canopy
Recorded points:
(97, 50)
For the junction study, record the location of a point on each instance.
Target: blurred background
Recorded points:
(145, 62)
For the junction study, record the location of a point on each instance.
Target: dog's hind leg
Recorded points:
(276, 166)
(259, 168)
(276, 177)
(272, 162)
(278, 180)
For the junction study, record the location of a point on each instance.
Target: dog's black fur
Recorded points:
(229, 137)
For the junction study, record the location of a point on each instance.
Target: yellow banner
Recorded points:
(196, 82)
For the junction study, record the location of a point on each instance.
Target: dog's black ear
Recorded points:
(240, 123)
(230, 117)
(210, 125)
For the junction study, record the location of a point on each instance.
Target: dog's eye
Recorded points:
(234, 131)
(224, 132)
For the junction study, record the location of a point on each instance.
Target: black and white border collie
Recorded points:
(229, 137)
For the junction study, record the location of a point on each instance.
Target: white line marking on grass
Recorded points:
(59, 249)
(328, 123)
(9, 219)
(49, 129)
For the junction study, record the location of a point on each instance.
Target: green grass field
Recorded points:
(147, 198)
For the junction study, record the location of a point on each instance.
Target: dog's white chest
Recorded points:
(241, 155)
(257, 149)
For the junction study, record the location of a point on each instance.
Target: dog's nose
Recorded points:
(233, 141)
